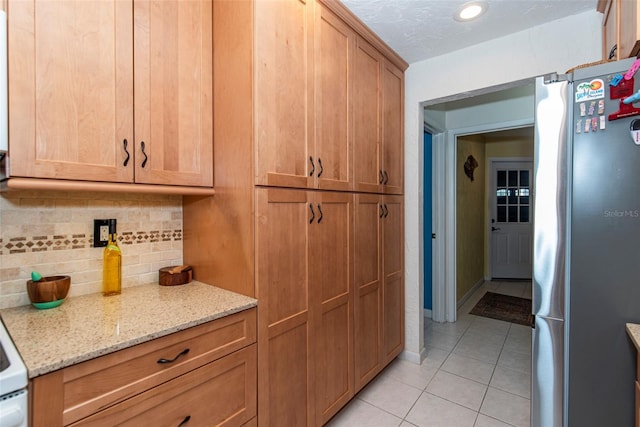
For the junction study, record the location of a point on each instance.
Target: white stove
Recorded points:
(13, 384)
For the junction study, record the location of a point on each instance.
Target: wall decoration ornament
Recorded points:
(469, 166)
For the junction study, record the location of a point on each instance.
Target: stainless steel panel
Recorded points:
(603, 291)
(552, 118)
(547, 373)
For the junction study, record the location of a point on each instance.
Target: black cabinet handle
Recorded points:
(126, 161)
(313, 214)
(182, 353)
(313, 167)
(381, 211)
(186, 420)
(386, 210)
(320, 210)
(386, 177)
(381, 177)
(321, 168)
(144, 162)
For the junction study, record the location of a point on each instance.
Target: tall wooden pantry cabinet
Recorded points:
(308, 211)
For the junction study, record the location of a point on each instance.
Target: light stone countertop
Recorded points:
(89, 326)
(633, 330)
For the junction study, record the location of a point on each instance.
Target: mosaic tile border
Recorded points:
(23, 244)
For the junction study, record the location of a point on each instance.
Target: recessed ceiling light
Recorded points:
(471, 10)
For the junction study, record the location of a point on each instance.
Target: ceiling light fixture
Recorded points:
(470, 11)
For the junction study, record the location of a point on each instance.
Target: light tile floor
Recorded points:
(477, 373)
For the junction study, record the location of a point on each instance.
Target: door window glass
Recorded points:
(512, 195)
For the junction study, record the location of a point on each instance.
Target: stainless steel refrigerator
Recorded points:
(586, 247)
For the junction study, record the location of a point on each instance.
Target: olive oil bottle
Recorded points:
(112, 264)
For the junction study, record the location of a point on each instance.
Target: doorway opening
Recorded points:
(481, 116)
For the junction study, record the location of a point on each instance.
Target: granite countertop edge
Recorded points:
(633, 329)
(91, 327)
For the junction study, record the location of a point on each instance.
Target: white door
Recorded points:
(511, 214)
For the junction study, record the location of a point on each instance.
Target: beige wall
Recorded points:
(470, 202)
(52, 233)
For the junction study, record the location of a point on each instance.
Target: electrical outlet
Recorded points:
(100, 232)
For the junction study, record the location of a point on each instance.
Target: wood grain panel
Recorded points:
(70, 90)
(334, 43)
(392, 128)
(393, 285)
(331, 239)
(368, 288)
(284, 95)
(174, 92)
(367, 116)
(282, 288)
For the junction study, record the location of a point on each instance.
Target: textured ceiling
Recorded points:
(421, 29)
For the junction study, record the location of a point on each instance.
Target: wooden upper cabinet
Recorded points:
(70, 89)
(334, 43)
(367, 116)
(283, 93)
(392, 128)
(621, 28)
(173, 92)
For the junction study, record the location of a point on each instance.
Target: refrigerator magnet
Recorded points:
(583, 109)
(579, 126)
(634, 127)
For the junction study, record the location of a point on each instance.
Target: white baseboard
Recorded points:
(469, 293)
(413, 357)
(428, 313)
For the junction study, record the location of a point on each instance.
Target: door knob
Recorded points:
(494, 229)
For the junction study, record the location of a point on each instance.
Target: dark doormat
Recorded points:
(504, 307)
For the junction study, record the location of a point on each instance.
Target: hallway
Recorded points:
(477, 373)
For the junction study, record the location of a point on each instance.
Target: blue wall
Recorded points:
(427, 211)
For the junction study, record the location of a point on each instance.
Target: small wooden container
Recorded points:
(175, 275)
(49, 291)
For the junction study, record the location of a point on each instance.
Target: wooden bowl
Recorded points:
(175, 275)
(49, 291)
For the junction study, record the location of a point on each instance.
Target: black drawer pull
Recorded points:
(313, 214)
(185, 421)
(381, 177)
(144, 162)
(386, 177)
(313, 167)
(182, 353)
(321, 215)
(126, 161)
(321, 168)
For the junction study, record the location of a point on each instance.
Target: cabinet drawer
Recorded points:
(91, 386)
(221, 393)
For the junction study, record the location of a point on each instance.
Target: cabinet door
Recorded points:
(392, 131)
(368, 288)
(283, 94)
(282, 287)
(331, 239)
(393, 285)
(367, 118)
(173, 92)
(334, 42)
(71, 89)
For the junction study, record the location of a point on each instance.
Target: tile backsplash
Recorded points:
(52, 233)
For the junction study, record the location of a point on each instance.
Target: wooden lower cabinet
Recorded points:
(305, 321)
(221, 393)
(213, 382)
(378, 283)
